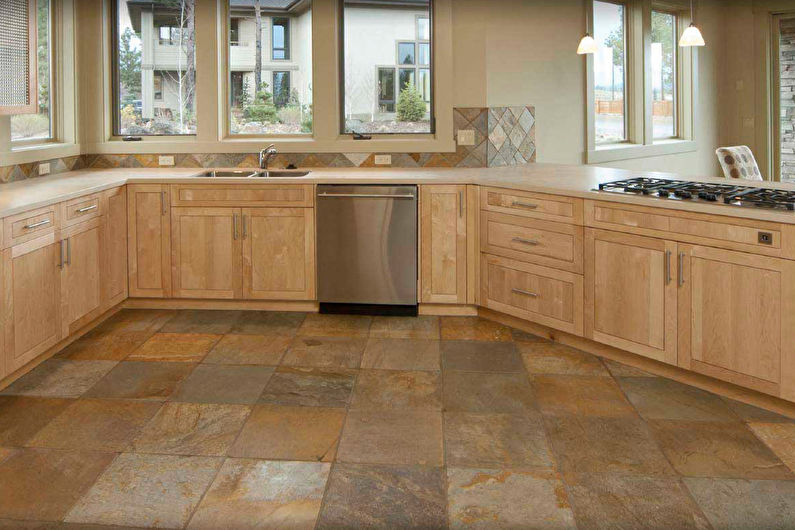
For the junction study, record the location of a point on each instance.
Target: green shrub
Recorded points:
(262, 109)
(410, 105)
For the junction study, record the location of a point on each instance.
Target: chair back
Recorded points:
(738, 163)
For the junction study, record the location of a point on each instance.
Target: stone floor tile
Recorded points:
(392, 437)
(249, 349)
(96, 425)
(524, 336)
(478, 392)
(554, 358)
(33, 525)
(605, 445)
(290, 433)
(580, 394)
(192, 429)
(147, 490)
(616, 502)
(495, 440)
(111, 347)
(325, 352)
(624, 370)
(175, 347)
(317, 325)
(737, 504)
(309, 387)
(133, 320)
(480, 356)
(201, 321)
(402, 354)
(218, 383)
(749, 413)
(22, 417)
(491, 498)
(261, 494)
(716, 449)
(141, 380)
(421, 327)
(780, 438)
(5, 452)
(60, 378)
(473, 328)
(42, 484)
(393, 389)
(377, 496)
(657, 398)
(267, 323)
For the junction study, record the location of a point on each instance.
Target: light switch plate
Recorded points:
(165, 160)
(466, 137)
(383, 160)
(44, 169)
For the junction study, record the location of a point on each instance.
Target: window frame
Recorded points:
(625, 73)
(678, 28)
(273, 86)
(288, 35)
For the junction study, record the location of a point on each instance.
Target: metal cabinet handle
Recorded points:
(667, 267)
(163, 202)
(60, 254)
(87, 208)
(525, 205)
(234, 227)
(531, 242)
(681, 271)
(69, 251)
(365, 196)
(460, 204)
(245, 230)
(36, 225)
(525, 293)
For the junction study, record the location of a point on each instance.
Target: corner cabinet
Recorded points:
(443, 244)
(114, 236)
(149, 241)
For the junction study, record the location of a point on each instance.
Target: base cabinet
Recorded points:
(443, 237)
(114, 226)
(82, 275)
(149, 243)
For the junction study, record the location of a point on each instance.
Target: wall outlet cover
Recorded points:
(383, 160)
(466, 137)
(44, 169)
(165, 160)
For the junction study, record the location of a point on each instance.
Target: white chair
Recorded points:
(738, 163)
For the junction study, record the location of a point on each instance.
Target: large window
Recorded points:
(154, 67)
(38, 127)
(610, 73)
(387, 64)
(663, 74)
(270, 81)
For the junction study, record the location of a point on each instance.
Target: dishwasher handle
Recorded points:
(367, 195)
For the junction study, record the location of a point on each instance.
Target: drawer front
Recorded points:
(536, 205)
(30, 225)
(242, 195)
(81, 209)
(539, 294)
(544, 242)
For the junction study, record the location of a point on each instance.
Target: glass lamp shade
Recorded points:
(691, 37)
(587, 45)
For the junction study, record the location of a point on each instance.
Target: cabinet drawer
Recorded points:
(547, 296)
(30, 225)
(81, 209)
(242, 195)
(537, 205)
(547, 243)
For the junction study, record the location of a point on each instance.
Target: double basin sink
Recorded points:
(253, 173)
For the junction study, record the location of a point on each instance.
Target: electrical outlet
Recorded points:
(466, 137)
(165, 160)
(44, 169)
(383, 160)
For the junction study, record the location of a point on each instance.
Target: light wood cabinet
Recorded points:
(631, 293)
(114, 226)
(278, 253)
(206, 253)
(149, 242)
(82, 274)
(443, 244)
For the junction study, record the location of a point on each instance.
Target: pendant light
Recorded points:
(587, 44)
(692, 35)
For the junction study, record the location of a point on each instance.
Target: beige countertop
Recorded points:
(572, 181)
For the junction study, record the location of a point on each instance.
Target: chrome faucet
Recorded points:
(265, 156)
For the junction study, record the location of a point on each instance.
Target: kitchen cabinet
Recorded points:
(114, 226)
(206, 253)
(278, 253)
(443, 244)
(737, 318)
(81, 275)
(631, 293)
(149, 241)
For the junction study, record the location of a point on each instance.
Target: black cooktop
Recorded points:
(704, 191)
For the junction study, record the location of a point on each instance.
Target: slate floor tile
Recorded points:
(523, 336)
(749, 413)
(580, 395)
(325, 352)
(780, 438)
(22, 417)
(480, 356)
(624, 370)
(60, 378)
(473, 328)
(111, 347)
(201, 321)
(218, 383)
(558, 359)
(141, 380)
(402, 354)
(658, 398)
(421, 327)
(317, 325)
(132, 320)
(249, 349)
(267, 323)
(175, 347)
(478, 392)
(309, 387)
(393, 389)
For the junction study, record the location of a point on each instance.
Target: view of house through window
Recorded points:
(663, 74)
(270, 67)
(786, 97)
(610, 73)
(387, 62)
(155, 62)
(38, 126)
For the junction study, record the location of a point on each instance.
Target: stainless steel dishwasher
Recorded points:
(367, 249)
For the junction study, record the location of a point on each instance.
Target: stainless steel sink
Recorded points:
(226, 173)
(281, 173)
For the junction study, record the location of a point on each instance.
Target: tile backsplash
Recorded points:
(504, 136)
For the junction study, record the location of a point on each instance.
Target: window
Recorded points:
(269, 94)
(663, 74)
(138, 111)
(387, 82)
(38, 127)
(281, 39)
(610, 73)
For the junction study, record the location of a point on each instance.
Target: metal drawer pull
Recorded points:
(60, 254)
(86, 208)
(525, 293)
(667, 267)
(365, 196)
(525, 205)
(681, 271)
(234, 227)
(532, 242)
(69, 251)
(460, 204)
(36, 225)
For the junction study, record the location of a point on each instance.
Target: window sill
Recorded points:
(613, 153)
(25, 154)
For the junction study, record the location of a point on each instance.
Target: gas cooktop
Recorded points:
(703, 191)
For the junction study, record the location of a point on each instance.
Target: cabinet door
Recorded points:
(443, 226)
(32, 300)
(630, 293)
(149, 242)
(206, 252)
(82, 270)
(114, 250)
(279, 253)
(737, 318)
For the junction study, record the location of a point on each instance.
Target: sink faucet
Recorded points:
(265, 156)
